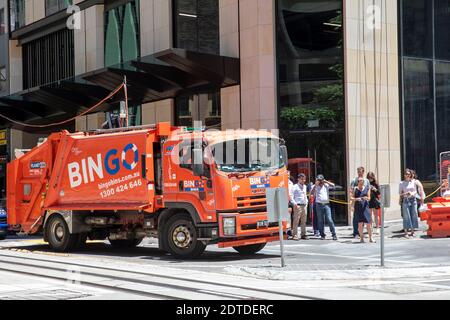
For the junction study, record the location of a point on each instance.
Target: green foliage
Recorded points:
(327, 106)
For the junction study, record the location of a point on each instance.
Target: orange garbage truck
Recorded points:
(130, 183)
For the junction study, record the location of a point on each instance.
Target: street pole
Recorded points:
(280, 226)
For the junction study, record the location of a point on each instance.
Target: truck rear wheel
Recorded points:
(125, 243)
(58, 235)
(182, 238)
(250, 249)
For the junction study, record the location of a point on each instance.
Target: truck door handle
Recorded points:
(144, 166)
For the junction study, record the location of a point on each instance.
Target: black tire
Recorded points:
(58, 235)
(181, 236)
(2, 238)
(250, 249)
(131, 243)
(81, 241)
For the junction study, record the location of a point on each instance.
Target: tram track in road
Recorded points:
(201, 289)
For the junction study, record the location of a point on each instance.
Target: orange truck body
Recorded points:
(132, 176)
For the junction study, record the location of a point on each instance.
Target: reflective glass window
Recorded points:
(311, 91)
(419, 128)
(443, 105)
(122, 37)
(197, 25)
(442, 28)
(417, 23)
(203, 107)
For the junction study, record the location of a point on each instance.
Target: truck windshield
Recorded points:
(247, 155)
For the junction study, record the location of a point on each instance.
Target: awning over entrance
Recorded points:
(160, 76)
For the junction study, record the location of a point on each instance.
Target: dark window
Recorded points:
(426, 85)
(48, 59)
(197, 25)
(2, 21)
(17, 14)
(122, 37)
(419, 118)
(54, 6)
(443, 105)
(311, 92)
(417, 22)
(442, 28)
(200, 107)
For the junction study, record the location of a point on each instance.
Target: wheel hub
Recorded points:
(58, 231)
(182, 237)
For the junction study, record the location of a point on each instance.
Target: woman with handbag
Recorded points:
(374, 202)
(408, 192)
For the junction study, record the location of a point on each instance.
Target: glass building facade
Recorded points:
(54, 6)
(425, 51)
(122, 36)
(122, 42)
(311, 92)
(196, 28)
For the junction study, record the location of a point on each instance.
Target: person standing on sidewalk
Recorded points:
(361, 197)
(291, 203)
(321, 193)
(374, 202)
(353, 185)
(312, 209)
(300, 199)
(408, 202)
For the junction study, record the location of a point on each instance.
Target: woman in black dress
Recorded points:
(374, 202)
(361, 196)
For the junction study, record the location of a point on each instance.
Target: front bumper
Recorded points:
(247, 231)
(249, 241)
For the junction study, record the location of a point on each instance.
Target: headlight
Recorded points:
(229, 226)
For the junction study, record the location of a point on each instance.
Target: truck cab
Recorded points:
(224, 193)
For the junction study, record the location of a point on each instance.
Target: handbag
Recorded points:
(423, 208)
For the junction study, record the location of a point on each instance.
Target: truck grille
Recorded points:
(253, 226)
(3, 220)
(251, 202)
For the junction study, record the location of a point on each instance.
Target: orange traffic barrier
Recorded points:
(438, 218)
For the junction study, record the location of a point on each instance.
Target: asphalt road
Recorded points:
(417, 268)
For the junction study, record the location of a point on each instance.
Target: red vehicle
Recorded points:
(302, 165)
(130, 183)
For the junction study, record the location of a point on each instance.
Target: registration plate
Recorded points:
(262, 224)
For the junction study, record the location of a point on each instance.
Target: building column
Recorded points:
(247, 30)
(372, 93)
(89, 40)
(15, 67)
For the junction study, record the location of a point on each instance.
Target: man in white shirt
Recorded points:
(300, 200)
(320, 192)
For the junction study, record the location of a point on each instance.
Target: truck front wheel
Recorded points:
(58, 235)
(182, 237)
(250, 249)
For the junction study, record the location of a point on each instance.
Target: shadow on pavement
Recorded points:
(103, 249)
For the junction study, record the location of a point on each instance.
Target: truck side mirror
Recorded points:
(284, 154)
(197, 167)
